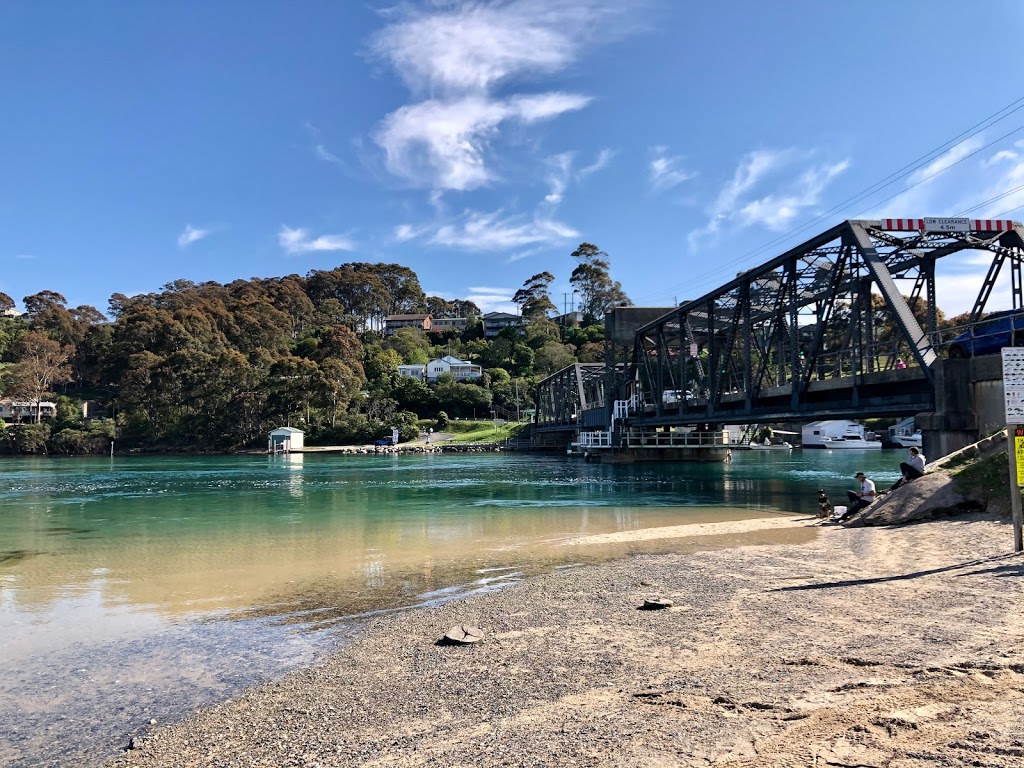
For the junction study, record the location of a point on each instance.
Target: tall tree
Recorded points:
(533, 299)
(40, 363)
(598, 292)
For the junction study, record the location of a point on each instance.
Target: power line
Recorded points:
(906, 170)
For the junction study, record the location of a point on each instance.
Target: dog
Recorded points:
(824, 505)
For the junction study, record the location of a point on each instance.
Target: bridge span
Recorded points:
(845, 325)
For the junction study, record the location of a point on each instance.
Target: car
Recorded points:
(998, 330)
(385, 441)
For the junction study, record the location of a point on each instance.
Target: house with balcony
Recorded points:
(439, 324)
(413, 371)
(496, 322)
(393, 322)
(459, 370)
(24, 411)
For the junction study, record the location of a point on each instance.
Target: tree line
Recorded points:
(215, 366)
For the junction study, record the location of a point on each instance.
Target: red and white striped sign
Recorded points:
(947, 225)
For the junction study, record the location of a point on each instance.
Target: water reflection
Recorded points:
(190, 577)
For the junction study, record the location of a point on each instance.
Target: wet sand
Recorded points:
(866, 647)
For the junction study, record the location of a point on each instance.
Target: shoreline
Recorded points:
(864, 646)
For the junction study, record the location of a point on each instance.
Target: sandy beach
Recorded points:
(900, 647)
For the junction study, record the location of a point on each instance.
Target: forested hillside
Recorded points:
(215, 367)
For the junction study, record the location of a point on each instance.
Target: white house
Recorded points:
(285, 439)
(24, 411)
(460, 370)
(413, 371)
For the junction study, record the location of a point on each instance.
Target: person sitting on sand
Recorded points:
(862, 498)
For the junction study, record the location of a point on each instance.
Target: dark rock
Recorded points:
(657, 604)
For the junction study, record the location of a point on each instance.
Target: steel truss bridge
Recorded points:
(844, 325)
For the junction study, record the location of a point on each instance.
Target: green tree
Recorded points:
(533, 299)
(598, 292)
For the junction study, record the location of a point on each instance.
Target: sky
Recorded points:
(480, 142)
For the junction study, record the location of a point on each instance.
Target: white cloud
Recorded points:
(666, 172)
(25, 256)
(191, 235)
(562, 175)
(327, 156)
(600, 163)
(454, 55)
(404, 232)
(493, 299)
(777, 211)
(298, 241)
(481, 231)
(474, 46)
(442, 143)
(559, 177)
(926, 173)
(998, 157)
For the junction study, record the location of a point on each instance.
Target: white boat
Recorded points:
(849, 443)
(783, 446)
(908, 441)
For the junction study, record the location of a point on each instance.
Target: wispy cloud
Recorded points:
(443, 143)
(25, 256)
(495, 231)
(561, 173)
(666, 172)
(776, 211)
(493, 299)
(735, 204)
(454, 55)
(298, 240)
(192, 235)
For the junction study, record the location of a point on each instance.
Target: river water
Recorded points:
(140, 588)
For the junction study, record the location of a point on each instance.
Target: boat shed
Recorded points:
(285, 439)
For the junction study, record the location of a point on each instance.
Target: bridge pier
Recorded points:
(954, 423)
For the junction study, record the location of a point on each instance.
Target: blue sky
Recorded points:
(480, 142)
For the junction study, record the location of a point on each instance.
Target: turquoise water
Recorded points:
(142, 587)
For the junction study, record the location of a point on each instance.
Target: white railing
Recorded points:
(640, 438)
(601, 439)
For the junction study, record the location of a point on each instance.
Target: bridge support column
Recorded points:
(954, 423)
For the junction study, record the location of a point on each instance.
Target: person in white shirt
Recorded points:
(860, 499)
(913, 467)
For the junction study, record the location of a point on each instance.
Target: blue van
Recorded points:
(998, 330)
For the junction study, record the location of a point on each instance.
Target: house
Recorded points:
(285, 439)
(12, 312)
(496, 322)
(393, 322)
(459, 370)
(413, 371)
(439, 324)
(568, 319)
(24, 411)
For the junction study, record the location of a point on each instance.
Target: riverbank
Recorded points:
(897, 647)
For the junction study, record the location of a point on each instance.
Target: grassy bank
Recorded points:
(481, 431)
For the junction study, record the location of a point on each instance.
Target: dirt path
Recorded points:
(901, 648)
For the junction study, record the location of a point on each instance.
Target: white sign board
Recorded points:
(946, 225)
(1013, 384)
(693, 350)
(394, 435)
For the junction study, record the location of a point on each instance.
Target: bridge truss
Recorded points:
(822, 330)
